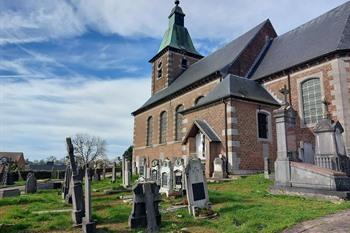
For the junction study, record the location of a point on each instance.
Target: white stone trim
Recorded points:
(233, 143)
(232, 132)
(232, 120)
(231, 109)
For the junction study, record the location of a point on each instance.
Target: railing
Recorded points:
(328, 161)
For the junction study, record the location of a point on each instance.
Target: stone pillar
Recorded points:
(77, 190)
(114, 172)
(283, 116)
(89, 226)
(126, 173)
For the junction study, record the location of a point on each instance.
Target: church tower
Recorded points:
(175, 53)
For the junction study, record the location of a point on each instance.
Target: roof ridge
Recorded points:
(314, 19)
(343, 35)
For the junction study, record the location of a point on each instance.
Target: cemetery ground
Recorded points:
(243, 205)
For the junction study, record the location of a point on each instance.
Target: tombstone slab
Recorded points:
(9, 192)
(31, 183)
(218, 168)
(196, 187)
(145, 212)
(166, 177)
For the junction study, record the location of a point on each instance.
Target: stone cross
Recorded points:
(31, 183)
(145, 211)
(77, 190)
(285, 92)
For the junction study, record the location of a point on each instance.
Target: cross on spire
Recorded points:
(285, 92)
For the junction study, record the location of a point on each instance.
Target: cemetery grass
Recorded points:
(243, 205)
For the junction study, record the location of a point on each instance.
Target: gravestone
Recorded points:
(9, 192)
(66, 182)
(178, 177)
(143, 168)
(114, 168)
(104, 171)
(97, 176)
(155, 171)
(145, 212)
(89, 226)
(196, 187)
(126, 172)
(219, 169)
(330, 147)
(77, 190)
(166, 177)
(31, 183)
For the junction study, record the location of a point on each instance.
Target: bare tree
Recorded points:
(89, 149)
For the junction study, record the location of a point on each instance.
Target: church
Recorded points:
(222, 105)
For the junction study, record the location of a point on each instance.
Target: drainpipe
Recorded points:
(226, 137)
(290, 94)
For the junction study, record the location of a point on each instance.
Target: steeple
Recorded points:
(175, 54)
(177, 36)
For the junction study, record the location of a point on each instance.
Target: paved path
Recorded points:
(336, 223)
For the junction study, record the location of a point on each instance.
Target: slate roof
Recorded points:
(325, 34)
(217, 61)
(238, 87)
(205, 128)
(47, 167)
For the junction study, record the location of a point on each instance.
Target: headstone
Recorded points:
(114, 178)
(66, 182)
(97, 176)
(267, 170)
(196, 187)
(31, 183)
(126, 173)
(218, 168)
(104, 171)
(9, 192)
(166, 177)
(145, 212)
(178, 177)
(330, 147)
(89, 226)
(143, 168)
(77, 190)
(155, 171)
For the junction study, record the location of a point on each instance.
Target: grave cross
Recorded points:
(285, 92)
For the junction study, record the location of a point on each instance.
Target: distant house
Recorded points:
(16, 157)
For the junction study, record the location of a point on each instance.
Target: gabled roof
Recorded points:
(321, 36)
(205, 128)
(217, 61)
(237, 87)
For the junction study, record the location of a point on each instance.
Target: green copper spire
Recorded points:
(177, 35)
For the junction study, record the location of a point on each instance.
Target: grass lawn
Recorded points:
(244, 205)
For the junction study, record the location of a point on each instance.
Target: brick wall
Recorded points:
(293, 82)
(171, 148)
(171, 69)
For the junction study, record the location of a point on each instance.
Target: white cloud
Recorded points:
(37, 115)
(37, 20)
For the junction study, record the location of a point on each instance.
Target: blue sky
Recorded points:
(81, 66)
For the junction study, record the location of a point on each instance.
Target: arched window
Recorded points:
(263, 125)
(178, 122)
(159, 70)
(149, 131)
(198, 99)
(163, 127)
(311, 100)
(184, 63)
